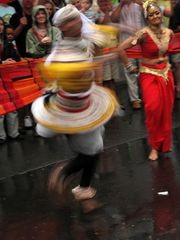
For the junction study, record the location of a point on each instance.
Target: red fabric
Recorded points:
(18, 87)
(174, 46)
(33, 64)
(158, 98)
(149, 48)
(6, 1)
(6, 105)
(141, 51)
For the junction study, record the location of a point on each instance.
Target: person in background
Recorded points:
(86, 9)
(111, 72)
(105, 10)
(156, 79)
(10, 52)
(22, 22)
(76, 3)
(42, 36)
(51, 9)
(9, 122)
(174, 24)
(129, 15)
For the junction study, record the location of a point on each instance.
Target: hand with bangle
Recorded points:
(130, 68)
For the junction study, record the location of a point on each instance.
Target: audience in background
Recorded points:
(22, 22)
(42, 36)
(86, 9)
(51, 9)
(9, 122)
(10, 53)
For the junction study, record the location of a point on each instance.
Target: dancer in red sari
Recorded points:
(156, 79)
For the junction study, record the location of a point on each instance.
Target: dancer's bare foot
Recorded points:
(153, 155)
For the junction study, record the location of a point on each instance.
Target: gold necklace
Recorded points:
(158, 33)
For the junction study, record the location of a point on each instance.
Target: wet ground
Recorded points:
(136, 200)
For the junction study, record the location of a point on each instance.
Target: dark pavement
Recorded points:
(136, 199)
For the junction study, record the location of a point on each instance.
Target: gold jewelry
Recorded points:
(146, 4)
(157, 32)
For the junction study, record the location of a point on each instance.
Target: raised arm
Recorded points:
(128, 43)
(116, 13)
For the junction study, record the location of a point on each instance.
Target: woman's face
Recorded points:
(40, 17)
(154, 15)
(1, 27)
(72, 28)
(49, 8)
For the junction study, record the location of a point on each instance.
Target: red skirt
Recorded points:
(158, 98)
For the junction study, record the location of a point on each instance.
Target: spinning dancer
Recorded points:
(77, 107)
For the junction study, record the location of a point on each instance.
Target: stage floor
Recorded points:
(136, 199)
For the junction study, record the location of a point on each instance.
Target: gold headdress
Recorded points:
(146, 4)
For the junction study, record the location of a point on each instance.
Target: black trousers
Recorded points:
(83, 162)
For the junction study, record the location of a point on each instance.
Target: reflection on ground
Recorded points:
(137, 199)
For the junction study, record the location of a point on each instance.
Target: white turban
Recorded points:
(65, 14)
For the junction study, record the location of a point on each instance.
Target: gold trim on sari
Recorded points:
(157, 72)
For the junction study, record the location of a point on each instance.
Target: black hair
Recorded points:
(153, 5)
(8, 26)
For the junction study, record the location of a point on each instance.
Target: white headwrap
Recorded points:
(65, 14)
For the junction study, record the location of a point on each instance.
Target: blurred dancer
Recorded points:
(77, 107)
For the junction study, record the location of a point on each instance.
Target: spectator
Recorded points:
(76, 3)
(50, 8)
(42, 36)
(111, 68)
(86, 9)
(22, 22)
(10, 53)
(10, 119)
(105, 9)
(130, 17)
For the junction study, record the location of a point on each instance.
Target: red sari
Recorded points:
(157, 86)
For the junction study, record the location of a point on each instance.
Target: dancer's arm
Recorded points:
(123, 55)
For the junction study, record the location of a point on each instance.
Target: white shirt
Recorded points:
(131, 20)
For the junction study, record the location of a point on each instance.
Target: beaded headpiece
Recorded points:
(148, 3)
